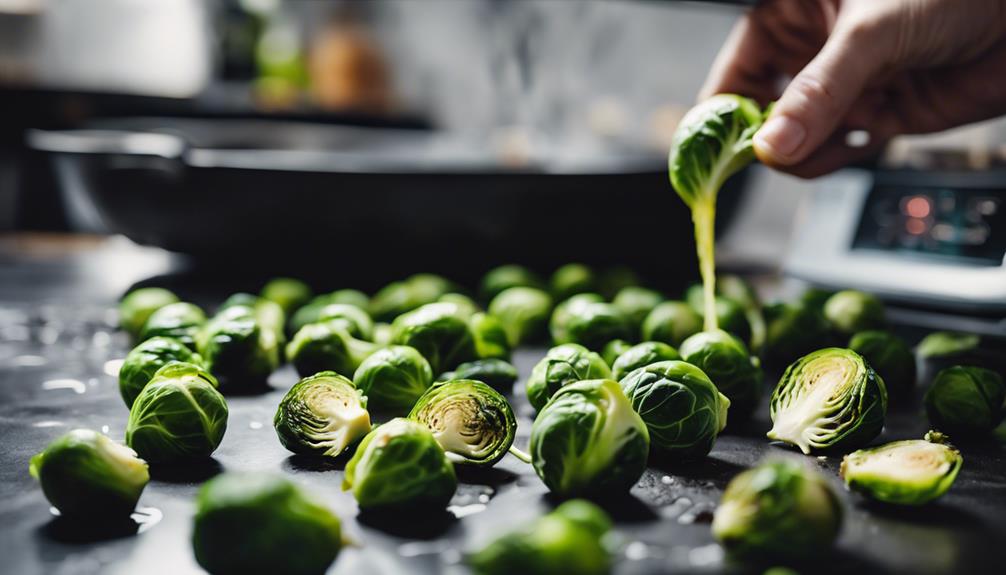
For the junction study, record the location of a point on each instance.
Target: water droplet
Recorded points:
(637, 551)
(113, 366)
(460, 511)
(76, 385)
(104, 429)
(255, 424)
(147, 517)
(55, 512)
(28, 361)
(667, 480)
(483, 498)
(48, 423)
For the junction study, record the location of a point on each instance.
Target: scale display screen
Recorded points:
(965, 225)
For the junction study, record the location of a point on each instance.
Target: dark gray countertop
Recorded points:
(56, 345)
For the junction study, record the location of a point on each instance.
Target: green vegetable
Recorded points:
(85, 474)
(778, 509)
(354, 320)
(725, 359)
(741, 292)
(466, 304)
(310, 312)
(947, 344)
(682, 409)
(178, 415)
(671, 322)
(502, 278)
(491, 340)
(524, 313)
(322, 414)
(966, 400)
(400, 465)
(793, 330)
(730, 315)
(850, 311)
(262, 523)
(911, 472)
(496, 373)
(591, 324)
(181, 321)
(145, 359)
(327, 347)
(290, 294)
(238, 348)
(572, 279)
(636, 303)
(383, 334)
(570, 539)
(401, 297)
(138, 305)
(393, 378)
(829, 399)
(613, 349)
(815, 298)
(440, 332)
(642, 355)
(472, 422)
(890, 357)
(589, 441)
(561, 366)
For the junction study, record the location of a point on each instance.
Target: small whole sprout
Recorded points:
(890, 357)
(322, 414)
(466, 304)
(850, 311)
(400, 465)
(179, 415)
(138, 305)
(613, 349)
(238, 348)
(310, 312)
(181, 321)
(262, 523)
(393, 378)
(440, 331)
(966, 400)
(589, 441)
(778, 509)
(402, 297)
(472, 422)
(726, 361)
(642, 355)
(947, 344)
(327, 347)
(588, 323)
(793, 330)
(289, 293)
(496, 373)
(815, 298)
(491, 340)
(269, 315)
(572, 279)
(671, 322)
(383, 334)
(502, 278)
(524, 313)
(570, 539)
(682, 409)
(354, 320)
(830, 399)
(731, 316)
(85, 474)
(911, 472)
(736, 289)
(561, 366)
(143, 361)
(636, 303)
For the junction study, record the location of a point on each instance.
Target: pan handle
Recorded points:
(107, 142)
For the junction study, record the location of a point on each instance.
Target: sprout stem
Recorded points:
(523, 456)
(704, 218)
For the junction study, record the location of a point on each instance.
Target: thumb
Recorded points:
(816, 101)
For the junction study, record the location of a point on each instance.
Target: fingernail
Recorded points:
(780, 137)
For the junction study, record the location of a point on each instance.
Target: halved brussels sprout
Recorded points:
(850, 311)
(562, 365)
(402, 297)
(400, 465)
(472, 422)
(613, 349)
(181, 321)
(178, 415)
(238, 348)
(793, 330)
(890, 357)
(828, 400)
(966, 400)
(682, 409)
(524, 313)
(671, 322)
(589, 440)
(725, 359)
(496, 373)
(355, 321)
(636, 303)
(465, 304)
(262, 523)
(588, 323)
(145, 359)
(572, 279)
(289, 293)
(570, 539)
(393, 378)
(502, 278)
(440, 332)
(138, 305)
(310, 312)
(491, 340)
(327, 347)
(911, 472)
(322, 414)
(85, 474)
(642, 355)
(778, 509)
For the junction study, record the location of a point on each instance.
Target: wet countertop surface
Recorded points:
(59, 351)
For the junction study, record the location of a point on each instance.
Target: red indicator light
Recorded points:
(915, 226)
(918, 207)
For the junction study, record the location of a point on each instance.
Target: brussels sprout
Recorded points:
(491, 341)
(613, 349)
(440, 332)
(86, 474)
(502, 278)
(778, 509)
(911, 472)
(682, 409)
(262, 523)
(327, 347)
(289, 293)
(636, 303)
(730, 315)
(793, 330)
(829, 399)
(400, 465)
(310, 312)
(472, 422)
(572, 279)
(947, 344)
(496, 373)
(524, 313)
(671, 322)
(145, 359)
(570, 539)
(324, 413)
(383, 334)
(815, 298)
(178, 415)
(355, 321)
(890, 357)
(138, 305)
(393, 378)
(589, 440)
(401, 297)
(725, 360)
(642, 355)
(562, 365)
(181, 321)
(966, 400)
(465, 304)
(590, 324)
(740, 291)
(850, 311)
(267, 313)
(239, 349)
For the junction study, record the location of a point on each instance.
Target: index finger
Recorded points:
(743, 65)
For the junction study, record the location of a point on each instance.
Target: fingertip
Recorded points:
(779, 140)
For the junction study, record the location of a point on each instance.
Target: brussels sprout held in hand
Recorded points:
(138, 305)
(725, 360)
(642, 355)
(145, 359)
(327, 347)
(394, 378)
(671, 322)
(966, 400)
(322, 414)
(562, 365)
(524, 313)
(911, 472)
(890, 357)
(181, 321)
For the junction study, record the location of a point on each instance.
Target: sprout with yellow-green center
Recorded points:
(910, 472)
(322, 414)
